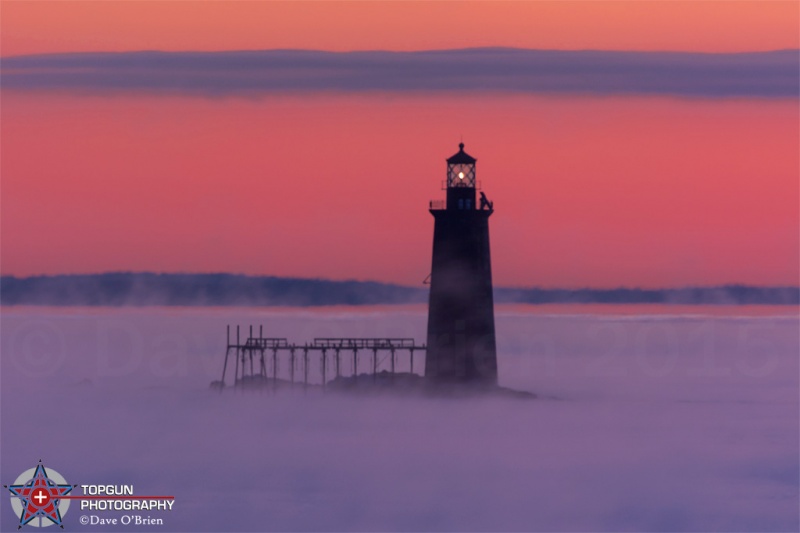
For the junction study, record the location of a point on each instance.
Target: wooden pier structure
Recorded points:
(260, 360)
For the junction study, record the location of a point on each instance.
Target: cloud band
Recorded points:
(743, 75)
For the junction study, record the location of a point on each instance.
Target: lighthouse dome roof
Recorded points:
(461, 157)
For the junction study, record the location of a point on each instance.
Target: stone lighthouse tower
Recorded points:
(461, 337)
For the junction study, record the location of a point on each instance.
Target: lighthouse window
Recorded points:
(469, 204)
(461, 203)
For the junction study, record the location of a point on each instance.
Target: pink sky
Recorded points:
(589, 190)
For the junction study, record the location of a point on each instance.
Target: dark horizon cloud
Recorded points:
(774, 74)
(151, 289)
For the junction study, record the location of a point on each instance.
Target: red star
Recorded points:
(40, 497)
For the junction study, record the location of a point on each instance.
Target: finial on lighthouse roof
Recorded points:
(461, 157)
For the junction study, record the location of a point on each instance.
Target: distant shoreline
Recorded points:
(150, 289)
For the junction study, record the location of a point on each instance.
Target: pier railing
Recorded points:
(364, 343)
(275, 361)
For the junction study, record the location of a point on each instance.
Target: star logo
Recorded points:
(37, 494)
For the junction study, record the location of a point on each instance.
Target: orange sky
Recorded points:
(713, 26)
(589, 190)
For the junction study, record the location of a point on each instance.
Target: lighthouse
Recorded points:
(461, 337)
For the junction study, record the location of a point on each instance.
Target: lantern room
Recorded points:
(461, 182)
(461, 169)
